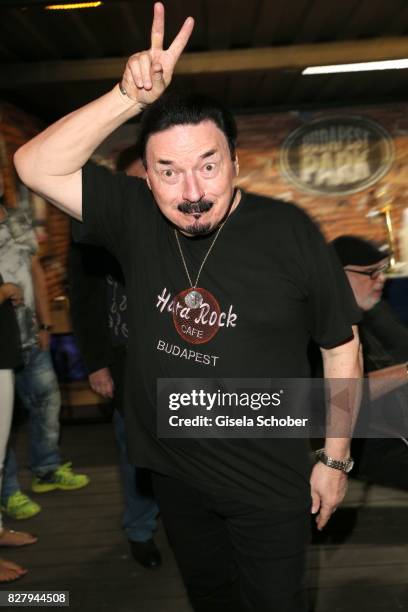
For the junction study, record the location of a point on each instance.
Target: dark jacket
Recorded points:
(87, 269)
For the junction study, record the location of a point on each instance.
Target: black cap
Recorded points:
(357, 251)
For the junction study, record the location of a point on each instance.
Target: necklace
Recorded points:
(196, 313)
(194, 298)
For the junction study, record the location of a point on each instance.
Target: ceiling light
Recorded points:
(72, 6)
(358, 67)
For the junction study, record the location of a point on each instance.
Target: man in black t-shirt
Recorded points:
(221, 284)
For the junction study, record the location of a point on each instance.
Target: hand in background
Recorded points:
(101, 382)
(44, 339)
(12, 292)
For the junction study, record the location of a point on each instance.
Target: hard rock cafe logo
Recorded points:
(336, 155)
(199, 323)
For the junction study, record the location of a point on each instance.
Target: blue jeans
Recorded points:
(37, 388)
(139, 517)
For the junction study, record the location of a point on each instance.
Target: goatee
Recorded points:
(199, 229)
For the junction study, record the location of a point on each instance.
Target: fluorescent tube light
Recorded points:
(358, 67)
(72, 6)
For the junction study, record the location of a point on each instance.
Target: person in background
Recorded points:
(98, 306)
(385, 348)
(10, 357)
(36, 383)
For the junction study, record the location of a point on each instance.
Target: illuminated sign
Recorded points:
(336, 155)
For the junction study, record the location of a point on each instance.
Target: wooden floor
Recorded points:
(360, 562)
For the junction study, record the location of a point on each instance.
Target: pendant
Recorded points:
(196, 315)
(193, 299)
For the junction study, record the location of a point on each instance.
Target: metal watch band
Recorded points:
(344, 465)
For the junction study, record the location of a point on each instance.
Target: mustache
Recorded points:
(195, 207)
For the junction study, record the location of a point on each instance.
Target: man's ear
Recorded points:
(236, 164)
(148, 181)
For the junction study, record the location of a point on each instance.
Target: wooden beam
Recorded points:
(33, 34)
(15, 74)
(84, 35)
(6, 52)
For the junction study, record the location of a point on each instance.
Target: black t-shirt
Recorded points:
(384, 338)
(278, 285)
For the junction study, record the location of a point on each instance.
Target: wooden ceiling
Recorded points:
(249, 53)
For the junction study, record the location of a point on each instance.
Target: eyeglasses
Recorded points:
(373, 274)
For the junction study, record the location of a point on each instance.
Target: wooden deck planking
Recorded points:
(360, 559)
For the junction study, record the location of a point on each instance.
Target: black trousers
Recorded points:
(234, 557)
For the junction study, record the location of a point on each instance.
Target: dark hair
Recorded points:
(126, 157)
(174, 108)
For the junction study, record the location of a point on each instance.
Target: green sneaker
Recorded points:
(19, 506)
(62, 478)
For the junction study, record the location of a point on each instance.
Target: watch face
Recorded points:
(349, 466)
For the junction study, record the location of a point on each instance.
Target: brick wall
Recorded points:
(260, 141)
(16, 127)
(259, 146)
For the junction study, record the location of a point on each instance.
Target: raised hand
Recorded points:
(148, 73)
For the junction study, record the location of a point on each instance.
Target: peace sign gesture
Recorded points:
(148, 73)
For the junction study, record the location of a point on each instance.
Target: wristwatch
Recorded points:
(344, 465)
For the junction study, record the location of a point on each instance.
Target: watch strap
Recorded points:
(344, 465)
